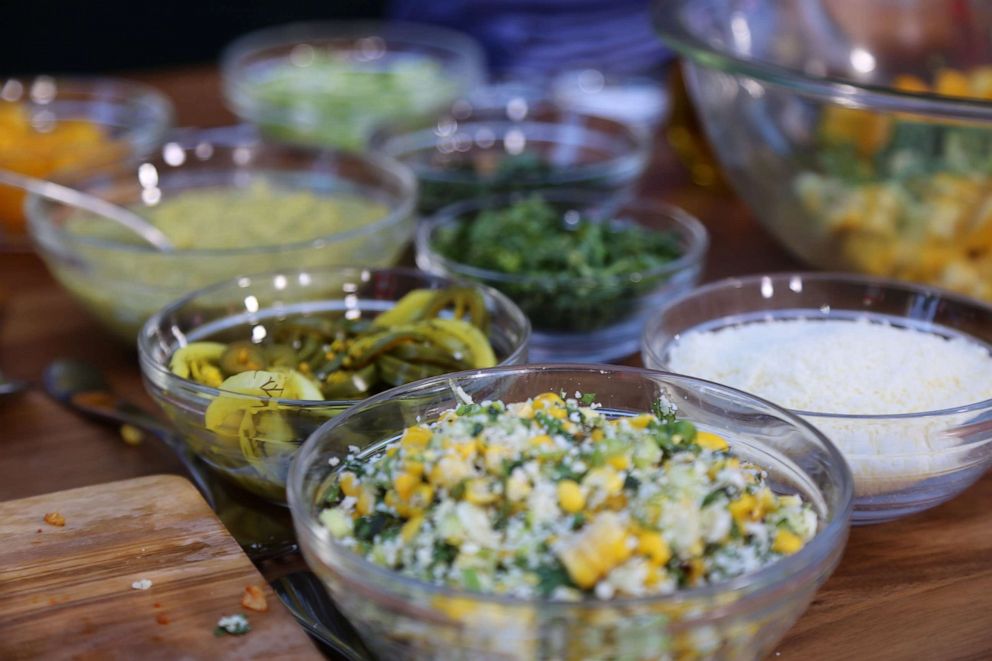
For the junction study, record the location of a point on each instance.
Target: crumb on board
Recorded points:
(233, 625)
(132, 435)
(162, 618)
(254, 599)
(142, 584)
(54, 519)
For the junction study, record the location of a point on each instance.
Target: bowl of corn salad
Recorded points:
(566, 511)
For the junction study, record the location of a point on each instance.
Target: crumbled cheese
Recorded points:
(143, 584)
(855, 367)
(235, 625)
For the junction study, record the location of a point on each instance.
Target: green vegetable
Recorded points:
(474, 176)
(573, 273)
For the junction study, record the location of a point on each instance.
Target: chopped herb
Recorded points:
(631, 483)
(367, 527)
(444, 553)
(587, 398)
(550, 577)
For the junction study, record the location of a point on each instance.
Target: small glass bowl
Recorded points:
(122, 284)
(605, 321)
(240, 309)
(435, 66)
(743, 618)
(889, 485)
(487, 150)
(133, 118)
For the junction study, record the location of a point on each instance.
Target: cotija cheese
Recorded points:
(863, 366)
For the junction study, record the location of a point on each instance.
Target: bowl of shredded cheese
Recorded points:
(570, 512)
(897, 375)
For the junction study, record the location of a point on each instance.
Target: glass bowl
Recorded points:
(742, 618)
(580, 319)
(858, 133)
(249, 307)
(50, 124)
(333, 83)
(123, 283)
(483, 149)
(891, 484)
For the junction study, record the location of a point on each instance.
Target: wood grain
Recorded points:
(65, 592)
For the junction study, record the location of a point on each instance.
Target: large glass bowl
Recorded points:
(929, 456)
(584, 319)
(249, 307)
(132, 120)
(123, 283)
(743, 618)
(333, 84)
(479, 150)
(858, 132)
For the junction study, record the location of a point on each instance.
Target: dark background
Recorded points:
(73, 36)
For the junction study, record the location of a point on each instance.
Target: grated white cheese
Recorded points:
(143, 584)
(854, 367)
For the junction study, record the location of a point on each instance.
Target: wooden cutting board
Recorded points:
(66, 593)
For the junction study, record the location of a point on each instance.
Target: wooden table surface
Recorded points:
(917, 588)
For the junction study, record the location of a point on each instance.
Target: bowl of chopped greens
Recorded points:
(570, 512)
(481, 150)
(334, 83)
(859, 133)
(247, 369)
(587, 272)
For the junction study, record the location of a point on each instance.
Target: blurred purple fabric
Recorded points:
(542, 37)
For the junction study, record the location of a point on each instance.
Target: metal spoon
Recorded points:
(75, 198)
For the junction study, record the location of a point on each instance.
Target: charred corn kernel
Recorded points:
(742, 509)
(404, 484)
(952, 83)
(786, 542)
(416, 437)
(547, 400)
(597, 435)
(411, 528)
(654, 546)
(570, 496)
(619, 461)
(541, 440)
(349, 484)
(365, 502)
(477, 492)
(640, 421)
(615, 502)
(711, 441)
(414, 467)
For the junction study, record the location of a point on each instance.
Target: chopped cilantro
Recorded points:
(367, 527)
(552, 576)
(587, 398)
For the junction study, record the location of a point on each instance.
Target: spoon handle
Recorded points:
(91, 203)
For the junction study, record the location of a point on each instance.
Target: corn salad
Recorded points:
(551, 498)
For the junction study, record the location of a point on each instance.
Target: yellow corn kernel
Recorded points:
(414, 467)
(640, 421)
(421, 498)
(547, 400)
(404, 484)
(766, 502)
(786, 542)
(526, 411)
(416, 437)
(605, 479)
(393, 449)
(392, 500)
(457, 608)
(908, 83)
(615, 502)
(654, 575)
(711, 441)
(598, 548)
(742, 509)
(570, 496)
(365, 503)
(952, 83)
(411, 528)
(349, 484)
(654, 546)
(541, 440)
(557, 413)
(597, 435)
(619, 461)
(466, 450)
(477, 492)
(448, 416)
(696, 570)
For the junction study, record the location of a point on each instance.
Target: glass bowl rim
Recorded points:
(401, 144)
(830, 89)
(398, 33)
(889, 284)
(776, 573)
(142, 137)
(691, 227)
(146, 348)
(37, 209)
